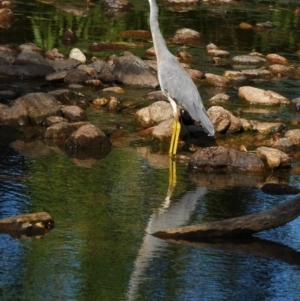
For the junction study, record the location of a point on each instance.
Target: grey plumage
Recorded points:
(174, 81)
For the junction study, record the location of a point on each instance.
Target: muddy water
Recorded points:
(100, 248)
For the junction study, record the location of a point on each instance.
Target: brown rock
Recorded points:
(225, 160)
(274, 58)
(131, 70)
(224, 121)
(274, 158)
(155, 113)
(186, 36)
(73, 113)
(259, 96)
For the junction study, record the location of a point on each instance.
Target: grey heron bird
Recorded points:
(176, 84)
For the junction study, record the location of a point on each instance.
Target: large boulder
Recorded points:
(39, 106)
(155, 113)
(131, 70)
(260, 96)
(88, 141)
(222, 159)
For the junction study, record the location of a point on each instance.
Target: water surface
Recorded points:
(100, 248)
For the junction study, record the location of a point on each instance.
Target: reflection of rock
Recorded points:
(154, 160)
(33, 149)
(223, 180)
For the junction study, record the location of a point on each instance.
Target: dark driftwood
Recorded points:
(244, 225)
(29, 224)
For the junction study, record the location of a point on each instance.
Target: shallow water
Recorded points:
(100, 248)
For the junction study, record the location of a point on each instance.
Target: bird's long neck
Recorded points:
(158, 40)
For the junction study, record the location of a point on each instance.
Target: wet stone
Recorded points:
(224, 159)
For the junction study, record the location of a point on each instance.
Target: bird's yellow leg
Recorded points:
(172, 138)
(177, 132)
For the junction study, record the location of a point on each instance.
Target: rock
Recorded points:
(117, 90)
(16, 115)
(6, 18)
(217, 53)
(76, 76)
(285, 145)
(73, 113)
(51, 120)
(293, 135)
(78, 55)
(257, 73)
(182, 2)
(279, 189)
(195, 74)
(29, 46)
(274, 58)
(241, 60)
(154, 114)
(29, 71)
(216, 80)
(62, 130)
(131, 70)
(88, 141)
(8, 55)
(259, 96)
(186, 36)
(224, 121)
(244, 25)
(156, 96)
(279, 70)
(104, 71)
(115, 4)
(295, 104)
(29, 57)
(219, 158)
(274, 158)
(63, 64)
(114, 8)
(38, 106)
(163, 131)
(57, 76)
(54, 54)
(267, 127)
(69, 37)
(219, 98)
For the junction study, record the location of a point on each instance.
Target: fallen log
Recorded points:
(28, 224)
(238, 226)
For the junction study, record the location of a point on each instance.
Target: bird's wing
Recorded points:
(177, 84)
